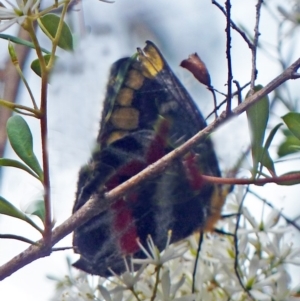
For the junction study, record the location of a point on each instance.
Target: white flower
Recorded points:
(169, 291)
(277, 249)
(75, 289)
(16, 14)
(156, 258)
(127, 279)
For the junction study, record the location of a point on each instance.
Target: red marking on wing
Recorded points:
(157, 147)
(123, 225)
(192, 171)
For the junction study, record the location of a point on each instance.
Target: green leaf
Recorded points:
(20, 42)
(290, 182)
(7, 208)
(20, 138)
(266, 158)
(36, 67)
(290, 145)
(37, 208)
(16, 164)
(50, 23)
(272, 135)
(267, 161)
(292, 120)
(258, 115)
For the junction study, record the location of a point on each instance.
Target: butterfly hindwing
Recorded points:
(147, 113)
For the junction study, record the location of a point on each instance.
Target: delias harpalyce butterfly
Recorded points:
(147, 113)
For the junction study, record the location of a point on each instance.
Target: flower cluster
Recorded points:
(17, 13)
(250, 264)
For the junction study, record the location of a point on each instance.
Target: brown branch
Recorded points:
(234, 26)
(16, 237)
(39, 250)
(228, 56)
(44, 131)
(94, 206)
(11, 81)
(255, 44)
(284, 180)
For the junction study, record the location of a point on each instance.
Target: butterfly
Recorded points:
(147, 113)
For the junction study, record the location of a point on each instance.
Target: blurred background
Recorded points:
(103, 33)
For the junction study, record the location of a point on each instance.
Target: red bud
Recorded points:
(197, 67)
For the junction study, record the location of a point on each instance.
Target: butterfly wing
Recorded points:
(147, 113)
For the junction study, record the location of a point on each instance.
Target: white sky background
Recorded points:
(179, 28)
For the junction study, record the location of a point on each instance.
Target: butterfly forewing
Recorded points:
(147, 113)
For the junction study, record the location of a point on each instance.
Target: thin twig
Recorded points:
(288, 220)
(238, 91)
(255, 46)
(17, 237)
(284, 179)
(234, 26)
(46, 170)
(61, 249)
(157, 271)
(44, 135)
(212, 90)
(197, 259)
(228, 55)
(13, 106)
(236, 247)
(225, 100)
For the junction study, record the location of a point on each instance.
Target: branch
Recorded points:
(16, 237)
(11, 80)
(234, 26)
(255, 45)
(283, 180)
(228, 56)
(94, 206)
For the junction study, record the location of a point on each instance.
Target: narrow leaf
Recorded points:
(7, 208)
(266, 158)
(290, 182)
(16, 164)
(272, 135)
(292, 120)
(20, 138)
(267, 161)
(20, 41)
(51, 22)
(258, 116)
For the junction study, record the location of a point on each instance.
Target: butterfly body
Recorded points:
(147, 113)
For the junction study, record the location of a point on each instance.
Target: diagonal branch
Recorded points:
(94, 207)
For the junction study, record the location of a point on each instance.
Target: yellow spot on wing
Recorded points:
(151, 61)
(125, 118)
(124, 97)
(134, 79)
(114, 136)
